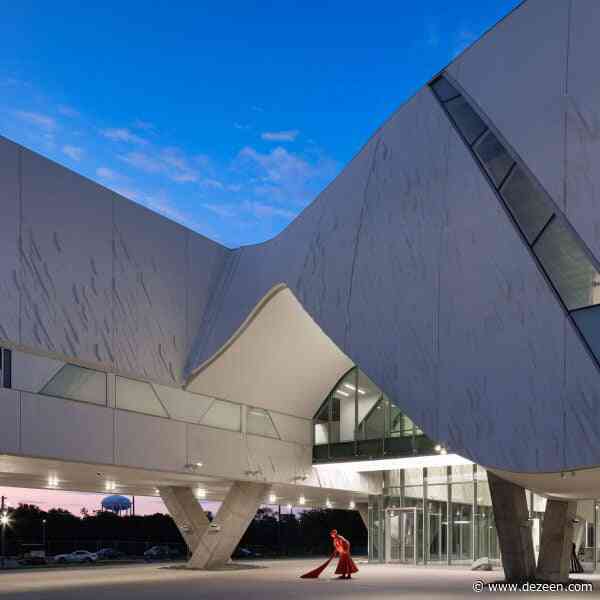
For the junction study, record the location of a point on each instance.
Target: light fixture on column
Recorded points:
(289, 507)
(272, 498)
(110, 486)
(302, 501)
(53, 481)
(200, 493)
(352, 505)
(327, 503)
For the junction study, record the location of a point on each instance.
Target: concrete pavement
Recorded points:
(269, 579)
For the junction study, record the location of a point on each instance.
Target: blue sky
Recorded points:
(228, 117)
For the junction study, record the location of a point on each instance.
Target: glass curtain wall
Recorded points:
(439, 515)
(357, 420)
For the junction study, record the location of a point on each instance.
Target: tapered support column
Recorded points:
(220, 539)
(512, 524)
(557, 541)
(189, 516)
(363, 511)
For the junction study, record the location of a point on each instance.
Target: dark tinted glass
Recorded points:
(588, 321)
(527, 202)
(443, 90)
(466, 119)
(494, 157)
(569, 268)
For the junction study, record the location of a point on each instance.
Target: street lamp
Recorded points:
(44, 533)
(4, 521)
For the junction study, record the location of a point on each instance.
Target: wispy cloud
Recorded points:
(280, 136)
(68, 111)
(242, 126)
(260, 210)
(123, 135)
(106, 173)
(171, 162)
(286, 178)
(73, 152)
(38, 119)
(222, 210)
(145, 125)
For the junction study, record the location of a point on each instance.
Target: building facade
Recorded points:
(422, 340)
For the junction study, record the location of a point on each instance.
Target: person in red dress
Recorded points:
(345, 566)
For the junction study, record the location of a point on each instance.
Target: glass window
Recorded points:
(138, 396)
(321, 425)
(259, 422)
(588, 321)
(343, 413)
(183, 405)
(77, 383)
(568, 267)
(494, 157)
(373, 424)
(467, 120)
(443, 89)
(527, 202)
(224, 415)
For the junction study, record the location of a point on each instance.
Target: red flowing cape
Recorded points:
(316, 572)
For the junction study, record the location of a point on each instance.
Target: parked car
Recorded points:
(161, 553)
(109, 554)
(29, 561)
(79, 556)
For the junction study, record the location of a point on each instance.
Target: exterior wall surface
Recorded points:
(409, 263)
(97, 279)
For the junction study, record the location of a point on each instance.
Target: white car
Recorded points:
(79, 556)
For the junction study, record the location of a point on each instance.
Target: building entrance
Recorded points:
(401, 538)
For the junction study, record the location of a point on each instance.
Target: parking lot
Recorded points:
(260, 581)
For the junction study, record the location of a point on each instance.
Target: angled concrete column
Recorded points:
(189, 516)
(557, 541)
(512, 524)
(237, 511)
(363, 511)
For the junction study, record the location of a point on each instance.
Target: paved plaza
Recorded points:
(270, 579)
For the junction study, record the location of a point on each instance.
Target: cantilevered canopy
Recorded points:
(279, 360)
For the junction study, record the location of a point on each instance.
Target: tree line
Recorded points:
(270, 534)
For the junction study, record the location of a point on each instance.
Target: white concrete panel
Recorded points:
(30, 373)
(395, 293)
(66, 262)
(9, 240)
(220, 452)
(581, 404)
(167, 450)
(501, 334)
(9, 421)
(516, 74)
(150, 294)
(282, 361)
(583, 124)
(56, 428)
(292, 429)
(205, 261)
